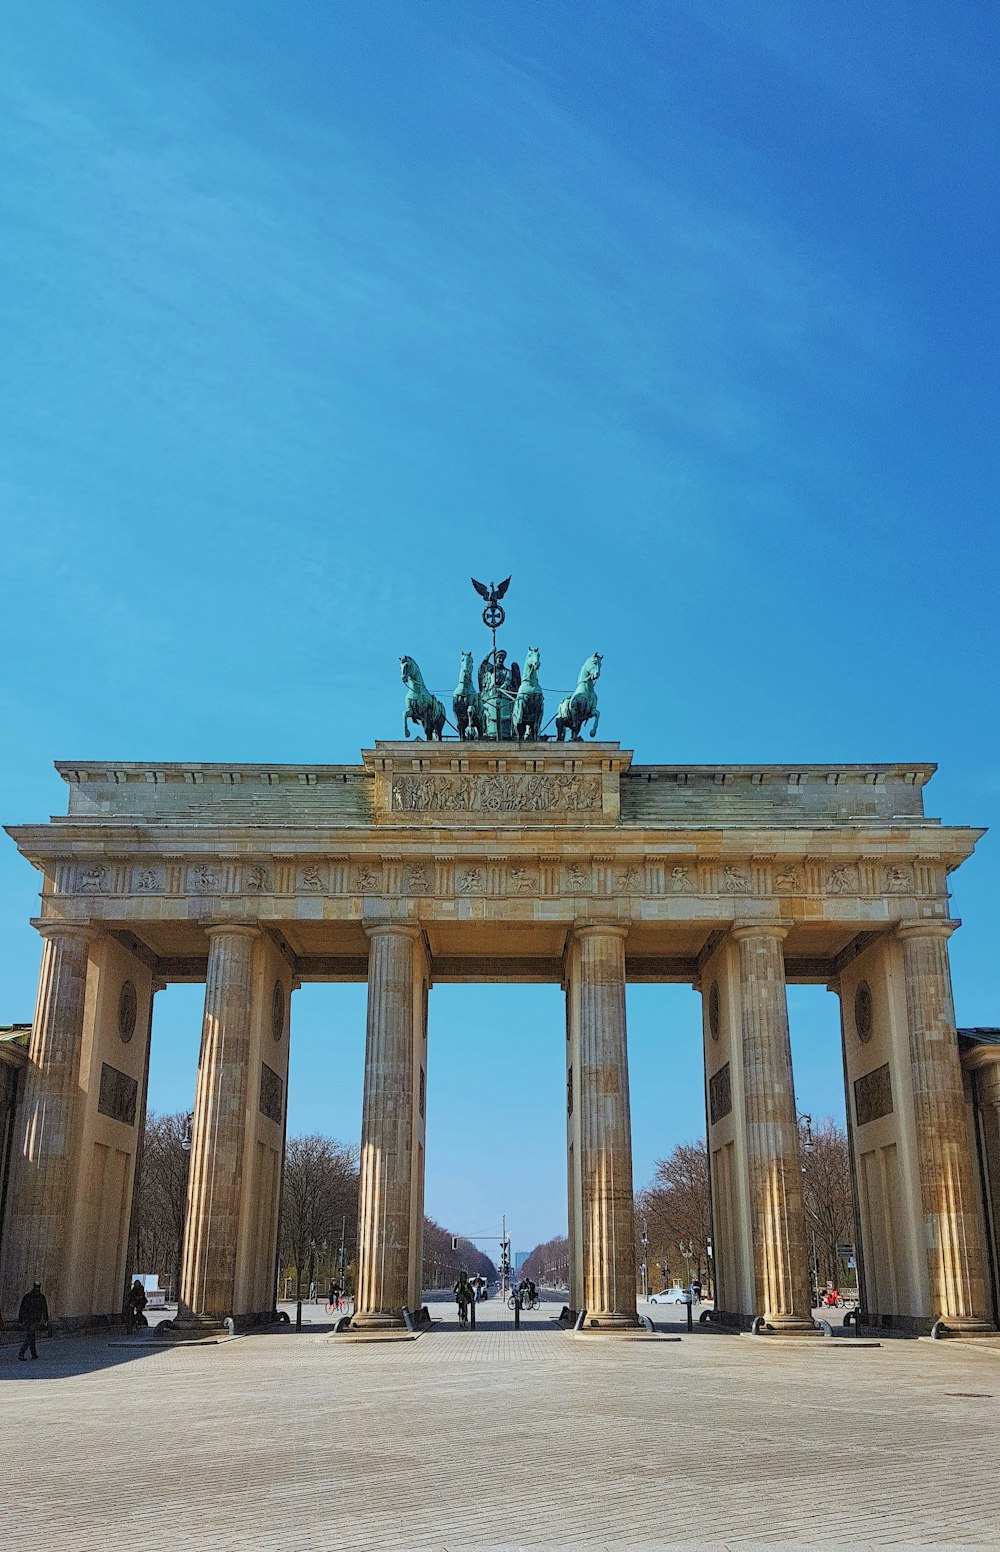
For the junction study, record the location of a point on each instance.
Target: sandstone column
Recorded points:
(781, 1275)
(955, 1259)
(389, 1149)
(605, 1128)
(39, 1227)
(985, 1063)
(215, 1180)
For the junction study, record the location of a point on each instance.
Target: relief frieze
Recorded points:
(496, 793)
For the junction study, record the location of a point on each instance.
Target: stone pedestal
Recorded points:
(215, 1180)
(781, 1275)
(953, 1239)
(604, 1134)
(390, 1213)
(39, 1227)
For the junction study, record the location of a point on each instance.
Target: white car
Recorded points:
(671, 1296)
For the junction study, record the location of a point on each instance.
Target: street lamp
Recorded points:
(186, 1139)
(645, 1263)
(806, 1139)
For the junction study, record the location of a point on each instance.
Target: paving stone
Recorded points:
(498, 1439)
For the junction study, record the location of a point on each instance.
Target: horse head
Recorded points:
(592, 668)
(465, 672)
(532, 662)
(409, 671)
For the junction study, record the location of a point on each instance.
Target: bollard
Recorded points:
(472, 1314)
(690, 1311)
(517, 1313)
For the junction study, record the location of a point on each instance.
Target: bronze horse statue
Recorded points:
(467, 704)
(422, 707)
(529, 702)
(581, 706)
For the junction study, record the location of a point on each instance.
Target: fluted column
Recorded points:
(386, 1198)
(955, 1256)
(605, 1168)
(985, 1063)
(215, 1179)
(781, 1274)
(39, 1227)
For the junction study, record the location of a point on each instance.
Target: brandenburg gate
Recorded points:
(498, 859)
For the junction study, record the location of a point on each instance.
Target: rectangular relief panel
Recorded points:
(720, 1093)
(873, 1095)
(118, 1096)
(272, 1091)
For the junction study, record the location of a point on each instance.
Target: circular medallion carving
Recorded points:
(713, 1010)
(863, 1011)
(128, 1004)
(278, 1010)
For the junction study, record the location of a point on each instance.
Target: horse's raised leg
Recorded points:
(597, 718)
(406, 725)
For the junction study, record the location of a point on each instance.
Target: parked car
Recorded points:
(673, 1295)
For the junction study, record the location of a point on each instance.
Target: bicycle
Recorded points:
(526, 1303)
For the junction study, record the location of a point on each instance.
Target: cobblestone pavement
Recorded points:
(498, 1439)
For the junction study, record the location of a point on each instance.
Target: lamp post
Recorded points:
(806, 1143)
(645, 1263)
(298, 1284)
(186, 1139)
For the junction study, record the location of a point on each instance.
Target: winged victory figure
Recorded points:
(491, 594)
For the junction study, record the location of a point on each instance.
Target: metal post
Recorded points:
(645, 1265)
(517, 1312)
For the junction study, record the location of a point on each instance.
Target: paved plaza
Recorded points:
(496, 1438)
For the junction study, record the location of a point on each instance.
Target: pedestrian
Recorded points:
(34, 1312)
(136, 1304)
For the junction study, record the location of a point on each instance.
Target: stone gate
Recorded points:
(498, 862)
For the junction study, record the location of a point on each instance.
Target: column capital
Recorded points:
(980, 1057)
(394, 929)
(759, 929)
(930, 927)
(222, 928)
(592, 928)
(84, 932)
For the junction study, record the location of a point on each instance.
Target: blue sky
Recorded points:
(682, 313)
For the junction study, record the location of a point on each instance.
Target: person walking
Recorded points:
(34, 1312)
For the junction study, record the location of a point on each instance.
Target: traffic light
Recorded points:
(454, 1242)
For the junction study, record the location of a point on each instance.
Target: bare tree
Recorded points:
(826, 1188)
(161, 1191)
(677, 1211)
(548, 1263)
(319, 1199)
(442, 1264)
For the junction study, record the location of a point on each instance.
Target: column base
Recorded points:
(610, 1321)
(189, 1327)
(788, 1325)
(377, 1320)
(964, 1325)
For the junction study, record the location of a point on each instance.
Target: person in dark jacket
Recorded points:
(34, 1312)
(135, 1306)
